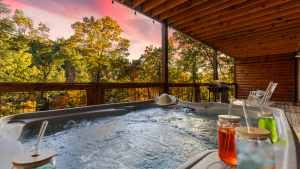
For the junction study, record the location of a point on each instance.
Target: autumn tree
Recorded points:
(14, 60)
(99, 40)
(46, 56)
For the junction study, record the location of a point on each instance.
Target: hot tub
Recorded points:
(15, 126)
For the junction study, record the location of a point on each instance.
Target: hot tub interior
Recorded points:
(147, 138)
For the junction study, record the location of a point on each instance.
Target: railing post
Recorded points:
(196, 93)
(96, 94)
(162, 89)
(89, 96)
(102, 96)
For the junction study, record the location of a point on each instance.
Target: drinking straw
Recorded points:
(246, 115)
(230, 106)
(268, 123)
(260, 107)
(39, 138)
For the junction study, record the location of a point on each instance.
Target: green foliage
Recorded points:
(96, 53)
(96, 39)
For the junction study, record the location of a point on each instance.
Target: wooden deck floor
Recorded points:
(292, 112)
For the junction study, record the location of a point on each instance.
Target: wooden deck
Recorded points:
(292, 112)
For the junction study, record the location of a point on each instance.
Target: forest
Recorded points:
(96, 52)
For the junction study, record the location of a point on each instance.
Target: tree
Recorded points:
(4, 10)
(46, 56)
(14, 60)
(96, 39)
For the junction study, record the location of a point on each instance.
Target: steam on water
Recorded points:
(150, 138)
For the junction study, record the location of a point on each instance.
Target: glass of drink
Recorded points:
(266, 121)
(226, 134)
(254, 148)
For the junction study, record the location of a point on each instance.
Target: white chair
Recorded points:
(263, 99)
(258, 93)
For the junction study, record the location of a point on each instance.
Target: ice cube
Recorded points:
(258, 158)
(249, 149)
(243, 157)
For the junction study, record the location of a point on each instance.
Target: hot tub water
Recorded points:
(149, 138)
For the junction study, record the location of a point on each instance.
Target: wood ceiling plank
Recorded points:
(137, 2)
(270, 52)
(287, 35)
(257, 48)
(195, 9)
(149, 4)
(261, 45)
(271, 23)
(274, 18)
(166, 6)
(241, 12)
(257, 16)
(180, 8)
(247, 35)
(214, 12)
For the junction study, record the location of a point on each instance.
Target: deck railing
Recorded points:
(95, 92)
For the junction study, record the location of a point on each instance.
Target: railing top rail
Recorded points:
(32, 87)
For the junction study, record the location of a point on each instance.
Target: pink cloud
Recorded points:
(139, 30)
(14, 4)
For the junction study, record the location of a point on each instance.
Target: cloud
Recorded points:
(60, 14)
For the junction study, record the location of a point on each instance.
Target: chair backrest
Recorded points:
(269, 94)
(261, 92)
(266, 95)
(273, 88)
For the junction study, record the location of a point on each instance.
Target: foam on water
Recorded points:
(149, 138)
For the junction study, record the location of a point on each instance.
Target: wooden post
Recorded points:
(215, 69)
(196, 93)
(96, 94)
(89, 96)
(164, 59)
(215, 65)
(295, 79)
(102, 96)
(234, 74)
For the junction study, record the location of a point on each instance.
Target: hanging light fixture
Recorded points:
(112, 3)
(153, 22)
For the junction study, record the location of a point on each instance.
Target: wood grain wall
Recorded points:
(257, 72)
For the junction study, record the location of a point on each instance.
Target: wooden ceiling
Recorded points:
(239, 28)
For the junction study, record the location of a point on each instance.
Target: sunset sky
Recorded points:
(58, 15)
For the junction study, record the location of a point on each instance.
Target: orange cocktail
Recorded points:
(226, 139)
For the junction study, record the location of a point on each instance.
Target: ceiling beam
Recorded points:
(287, 35)
(268, 32)
(256, 17)
(215, 11)
(240, 27)
(266, 52)
(193, 10)
(137, 2)
(239, 12)
(237, 56)
(263, 45)
(149, 4)
(180, 8)
(257, 31)
(166, 6)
